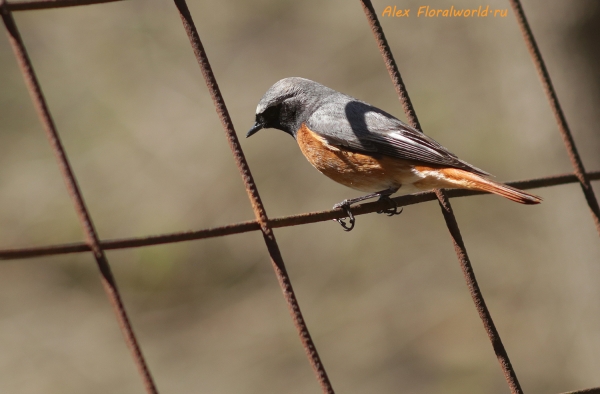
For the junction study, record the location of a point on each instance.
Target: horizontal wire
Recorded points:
(283, 278)
(91, 236)
(306, 218)
(446, 207)
(559, 115)
(286, 221)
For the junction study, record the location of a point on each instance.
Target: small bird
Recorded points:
(365, 148)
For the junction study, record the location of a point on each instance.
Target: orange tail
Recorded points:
(468, 180)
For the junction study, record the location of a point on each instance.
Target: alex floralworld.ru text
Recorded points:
(429, 12)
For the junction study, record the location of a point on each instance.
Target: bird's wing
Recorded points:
(356, 125)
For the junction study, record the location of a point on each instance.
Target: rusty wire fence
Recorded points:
(262, 222)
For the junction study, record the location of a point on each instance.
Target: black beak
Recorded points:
(257, 126)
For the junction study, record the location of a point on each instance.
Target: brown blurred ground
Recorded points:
(386, 303)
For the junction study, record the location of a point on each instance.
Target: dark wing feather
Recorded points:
(345, 121)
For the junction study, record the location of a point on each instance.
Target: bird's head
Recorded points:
(286, 105)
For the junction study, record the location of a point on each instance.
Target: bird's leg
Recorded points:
(383, 195)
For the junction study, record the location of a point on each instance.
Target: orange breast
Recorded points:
(379, 172)
(356, 170)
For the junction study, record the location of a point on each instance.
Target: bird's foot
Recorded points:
(345, 205)
(393, 206)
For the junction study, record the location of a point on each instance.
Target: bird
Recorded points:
(367, 149)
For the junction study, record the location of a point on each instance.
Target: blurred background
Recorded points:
(386, 303)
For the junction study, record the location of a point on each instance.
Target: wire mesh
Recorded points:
(442, 196)
(257, 205)
(262, 222)
(92, 240)
(277, 222)
(561, 120)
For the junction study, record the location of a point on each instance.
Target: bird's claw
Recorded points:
(345, 205)
(393, 209)
(342, 221)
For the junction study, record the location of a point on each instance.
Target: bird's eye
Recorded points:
(272, 112)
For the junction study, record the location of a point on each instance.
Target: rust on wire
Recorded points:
(561, 120)
(108, 280)
(262, 222)
(476, 295)
(257, 205)
(459, 246)
(391, 64)
(286, 221)
(47, 4)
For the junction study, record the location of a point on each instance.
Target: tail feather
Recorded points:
(509, 192)
(477, 182)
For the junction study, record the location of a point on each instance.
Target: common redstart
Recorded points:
(365, 148)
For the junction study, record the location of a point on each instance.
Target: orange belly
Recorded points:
(379, 172)
(356, 170)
